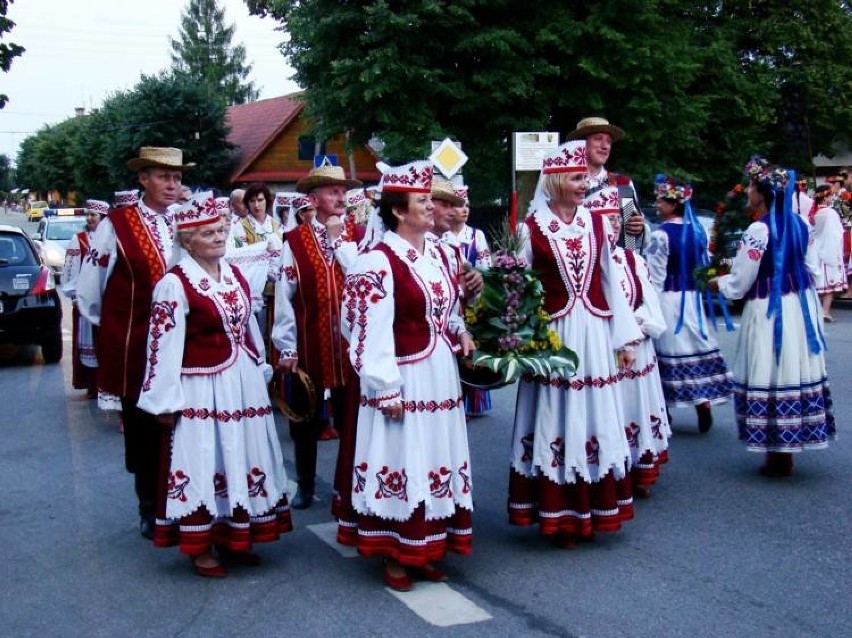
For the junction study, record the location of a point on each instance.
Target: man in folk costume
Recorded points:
(129, 255)
(314, 262)
(600, 135)
(84, 361)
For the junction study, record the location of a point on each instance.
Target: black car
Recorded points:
(30, 310)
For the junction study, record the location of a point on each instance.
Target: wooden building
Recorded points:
(274, 145)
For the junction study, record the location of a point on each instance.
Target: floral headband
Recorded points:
(669, 188)
(760, 171)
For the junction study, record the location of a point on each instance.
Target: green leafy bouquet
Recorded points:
(508, 321)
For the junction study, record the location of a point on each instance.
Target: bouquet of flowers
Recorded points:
(703, 274)
(508, 321)
(733, 216)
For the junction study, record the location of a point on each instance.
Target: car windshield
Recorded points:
(64, 230)
(15, 251)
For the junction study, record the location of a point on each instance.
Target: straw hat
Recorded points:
(325, 175)
(442, 189)
(591, 125)
(159, 157)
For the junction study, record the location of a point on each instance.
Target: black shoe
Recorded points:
(303, 499)
(705, 418)
(146, 527)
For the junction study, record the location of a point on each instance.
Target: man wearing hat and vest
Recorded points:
(314, 261)
(84, 364)
(129, 255)
(444, 198)
(600, 135)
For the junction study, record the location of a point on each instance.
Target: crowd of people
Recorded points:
(345, 306)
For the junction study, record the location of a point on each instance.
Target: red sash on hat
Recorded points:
(126, 308)
(319, 289)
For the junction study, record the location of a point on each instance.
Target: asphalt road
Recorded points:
(717, 550)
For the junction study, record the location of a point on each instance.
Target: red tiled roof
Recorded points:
(255, 125)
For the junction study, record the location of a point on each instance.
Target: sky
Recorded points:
(78, 52)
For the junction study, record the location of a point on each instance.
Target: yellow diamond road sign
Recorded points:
(448, 158)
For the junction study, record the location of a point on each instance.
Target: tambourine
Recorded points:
(297, 397)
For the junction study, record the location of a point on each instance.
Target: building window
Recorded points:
(307, 148)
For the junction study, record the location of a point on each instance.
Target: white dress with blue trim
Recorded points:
(782, 402)
(692, 368)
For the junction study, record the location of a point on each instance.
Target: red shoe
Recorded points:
(329, 434)
(641, 491)
(398, 583)
(563, 540)
(429, 572)
(212, 571)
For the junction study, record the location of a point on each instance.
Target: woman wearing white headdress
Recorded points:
(411, 471)
(828, 239)
(570, 457)
(205, 382)
(646, 421)
(84, 366)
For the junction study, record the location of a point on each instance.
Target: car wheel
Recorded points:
(51, 348)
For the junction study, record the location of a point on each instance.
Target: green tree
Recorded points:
(698, 86)
(89, 154)
(799, 54)
(8, 51)
(7, 173)
(44, 161)
(203, 51)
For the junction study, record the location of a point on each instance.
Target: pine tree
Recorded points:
(203, 50)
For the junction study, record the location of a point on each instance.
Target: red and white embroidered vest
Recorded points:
(126, 305)
(420, 317)
(568, 269)
(216, 329)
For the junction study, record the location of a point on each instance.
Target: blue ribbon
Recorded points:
(787, 243)
(692, 236)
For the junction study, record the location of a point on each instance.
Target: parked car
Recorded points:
(35, 211)
(53, 235)
(30, 310)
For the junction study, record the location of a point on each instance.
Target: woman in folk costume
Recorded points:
(830, 277)
(691, 366)
(411, 483)
(259, 227)
(205, 380)
(643, 401)
(84, 362)
(782, 398)
(570, 458)
(474, 249)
